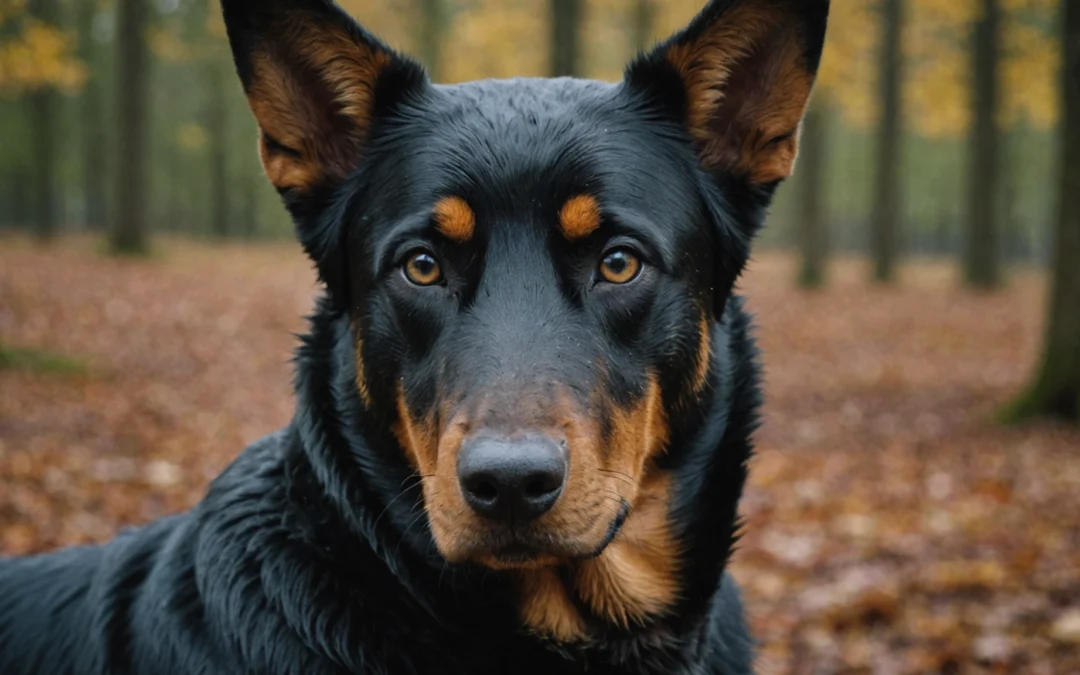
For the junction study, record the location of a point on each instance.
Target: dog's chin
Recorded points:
(525, 551)
(513, 558)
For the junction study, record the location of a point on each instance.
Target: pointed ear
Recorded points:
(314, 80)
(744, 70)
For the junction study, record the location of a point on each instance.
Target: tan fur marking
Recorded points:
(704, 355)
(414, 438)
(358, 352)
(705, 65)
(579, 217)
(547, 609)
(448, 514)
(454, 219)
(639, 434)
(735, 115)
(637, 575)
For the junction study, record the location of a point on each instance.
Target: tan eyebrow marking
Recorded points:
(454, 219)
(579, 217)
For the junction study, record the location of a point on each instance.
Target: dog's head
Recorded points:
(532, 269)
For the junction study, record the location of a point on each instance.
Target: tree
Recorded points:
(129, 233)
(981, 262)
(566, 18)
(1056, 388)
(95, 146)
(813, 226)
(44, 112)
(217, 116)
(886, 211)
(430, 33)
(36, 62)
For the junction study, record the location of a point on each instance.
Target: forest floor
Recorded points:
(891, 526)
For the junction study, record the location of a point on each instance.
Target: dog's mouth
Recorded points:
(543, 496)
(529, 548)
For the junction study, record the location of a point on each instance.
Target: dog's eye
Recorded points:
(423, 269)
(620, 266)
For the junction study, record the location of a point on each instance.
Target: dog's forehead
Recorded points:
(516, 130)
(519, 104)
(508, 144)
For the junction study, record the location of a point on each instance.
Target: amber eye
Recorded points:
(620, 266)
(423, 269)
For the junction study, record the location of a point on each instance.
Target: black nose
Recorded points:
(512, 479)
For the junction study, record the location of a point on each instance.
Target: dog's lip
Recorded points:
(521, 551)
(614, 529)
(516, 553)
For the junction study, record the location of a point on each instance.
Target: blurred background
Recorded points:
(913, 507)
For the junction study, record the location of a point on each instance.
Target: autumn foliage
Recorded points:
(890, 525)
(493, 38)
(35, 54)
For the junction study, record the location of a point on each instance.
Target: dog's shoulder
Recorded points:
(728, 647)
(134, 603)
(72, 611)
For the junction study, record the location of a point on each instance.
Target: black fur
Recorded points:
(307, 555)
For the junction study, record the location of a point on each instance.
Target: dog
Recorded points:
(526, 399)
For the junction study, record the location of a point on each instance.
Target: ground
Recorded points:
(891, 525)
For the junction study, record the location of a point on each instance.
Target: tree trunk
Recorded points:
(44, 113)
(431, 29)
(814, 228)
(886, 211)
(942, 233)
(43, 129)
(982, 267)
(644, 15)
(174, 193)
(129, 233)
(95, 150)
(21, 209)
(566, 18)
(1056, 389)
(217, 115)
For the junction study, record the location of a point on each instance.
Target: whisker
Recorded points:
(620, 475)
(404, 533)
(391, 502)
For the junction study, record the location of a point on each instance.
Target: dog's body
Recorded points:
(525, 404)
(267, 576)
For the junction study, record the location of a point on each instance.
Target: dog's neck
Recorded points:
(659, 576)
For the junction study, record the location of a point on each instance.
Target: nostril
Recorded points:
(542, 486)
(483, 490)
(535, 488)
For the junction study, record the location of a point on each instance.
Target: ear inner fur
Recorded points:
(312, 93)
(747, 85)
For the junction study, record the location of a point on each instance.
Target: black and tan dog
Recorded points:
(525, 401)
